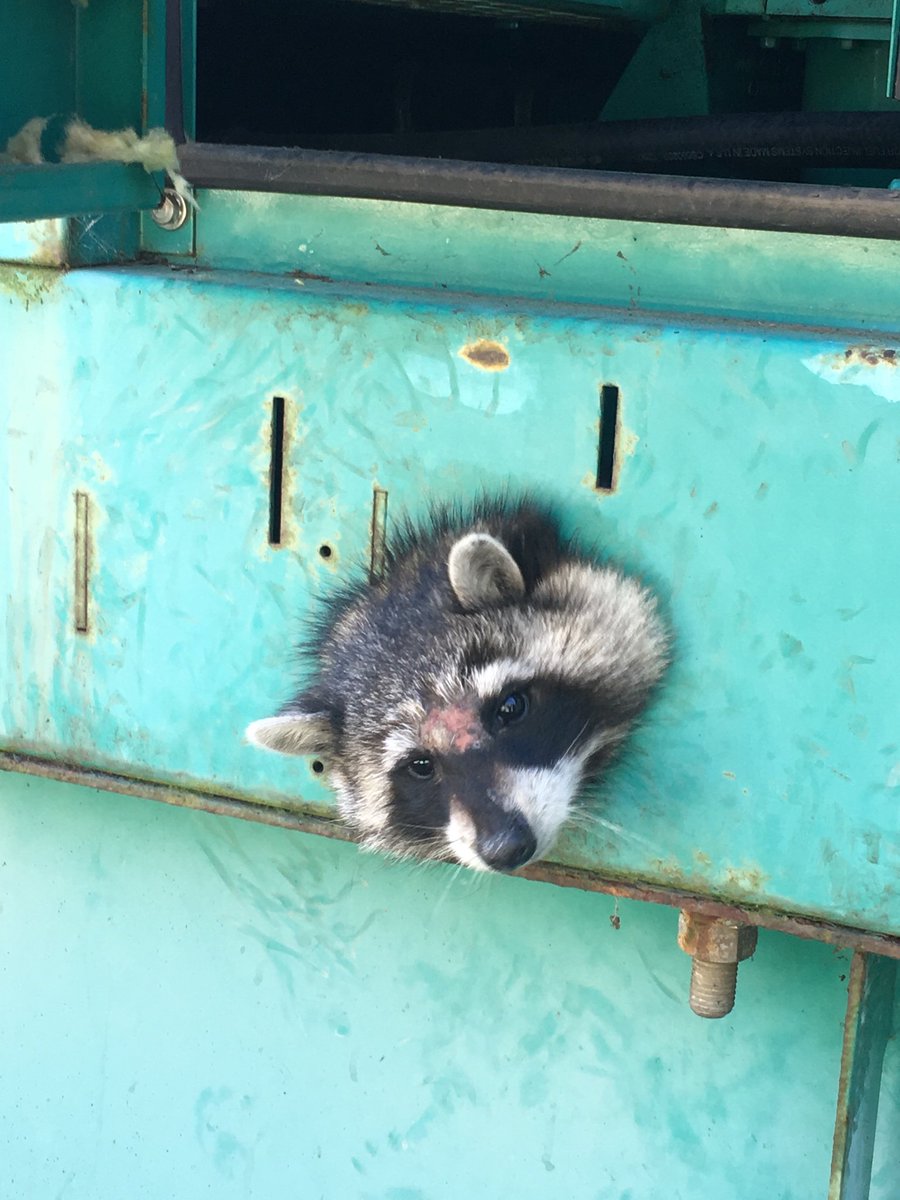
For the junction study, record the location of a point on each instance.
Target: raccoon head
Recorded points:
(473, 737)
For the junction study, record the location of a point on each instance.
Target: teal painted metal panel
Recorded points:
(768, 772)
(70, 189)
(198, 1006)
(749, 275)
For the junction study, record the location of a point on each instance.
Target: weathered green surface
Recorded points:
(71, 58)
(804, 279)
(768, 772)
(196, 1006)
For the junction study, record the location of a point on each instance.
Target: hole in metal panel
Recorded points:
(606, 451)
(276, 471)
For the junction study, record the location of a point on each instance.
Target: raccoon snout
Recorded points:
(507, 848)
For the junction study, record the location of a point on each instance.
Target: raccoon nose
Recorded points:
(507, 848)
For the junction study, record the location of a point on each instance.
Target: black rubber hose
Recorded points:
(810, 139)
(725, 203)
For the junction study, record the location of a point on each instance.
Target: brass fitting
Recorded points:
(716, 947)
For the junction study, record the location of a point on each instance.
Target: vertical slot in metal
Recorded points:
(276, 471)
(606, 451)
(379, 534)
(82, 560)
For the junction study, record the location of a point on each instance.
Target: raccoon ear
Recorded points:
(293, 733)
(483, 573)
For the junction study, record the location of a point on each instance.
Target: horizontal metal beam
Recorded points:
(307, 821)
(31, 192)
(663, 199)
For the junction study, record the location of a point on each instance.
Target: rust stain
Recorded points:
(82, 560)
(302, 276)
(748, 878)
(486, 355)
(842, 1127)
(870, 356)
(378, 537)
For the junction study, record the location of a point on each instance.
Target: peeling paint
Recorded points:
(871, 367)
(29, 286)
(486, 355)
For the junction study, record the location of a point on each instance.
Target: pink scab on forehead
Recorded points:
(453, 729)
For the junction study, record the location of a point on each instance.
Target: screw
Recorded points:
(716, 947)
(172, 210)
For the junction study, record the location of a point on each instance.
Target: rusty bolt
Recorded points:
(172, 210)
(716, 947)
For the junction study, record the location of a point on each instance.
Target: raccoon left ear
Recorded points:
(292, 733)
(483, 573)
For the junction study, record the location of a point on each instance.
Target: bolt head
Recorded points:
(714, 940)
(172, 210)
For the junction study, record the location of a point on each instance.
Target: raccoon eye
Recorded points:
(421, 768)
(511, 708)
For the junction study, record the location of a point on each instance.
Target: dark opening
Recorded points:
(324, 73)
(606, 454)
(276, 471)
(584, 84)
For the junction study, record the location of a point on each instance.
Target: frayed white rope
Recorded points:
(81, 143)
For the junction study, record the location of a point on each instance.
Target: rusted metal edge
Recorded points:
(543, 872)
(182, 797)
(830, 932)
(867, 1027)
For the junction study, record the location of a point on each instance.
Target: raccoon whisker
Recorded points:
(575, 738)
(627, 834)
(580, 819)
(445, 891)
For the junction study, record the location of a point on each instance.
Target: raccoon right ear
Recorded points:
(293, 733)
(483, 573)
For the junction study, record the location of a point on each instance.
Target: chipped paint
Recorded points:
(486, 355)
(870, 367)
(28, 285)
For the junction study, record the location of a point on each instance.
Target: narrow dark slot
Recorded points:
(276, 471)
(606, 454)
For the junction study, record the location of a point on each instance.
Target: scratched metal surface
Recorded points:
(200, 1006)
(757, 489)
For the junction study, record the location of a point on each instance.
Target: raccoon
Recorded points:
(465, 700)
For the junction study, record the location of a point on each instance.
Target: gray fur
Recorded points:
(480, 612)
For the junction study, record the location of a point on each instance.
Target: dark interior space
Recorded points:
(471, 84)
